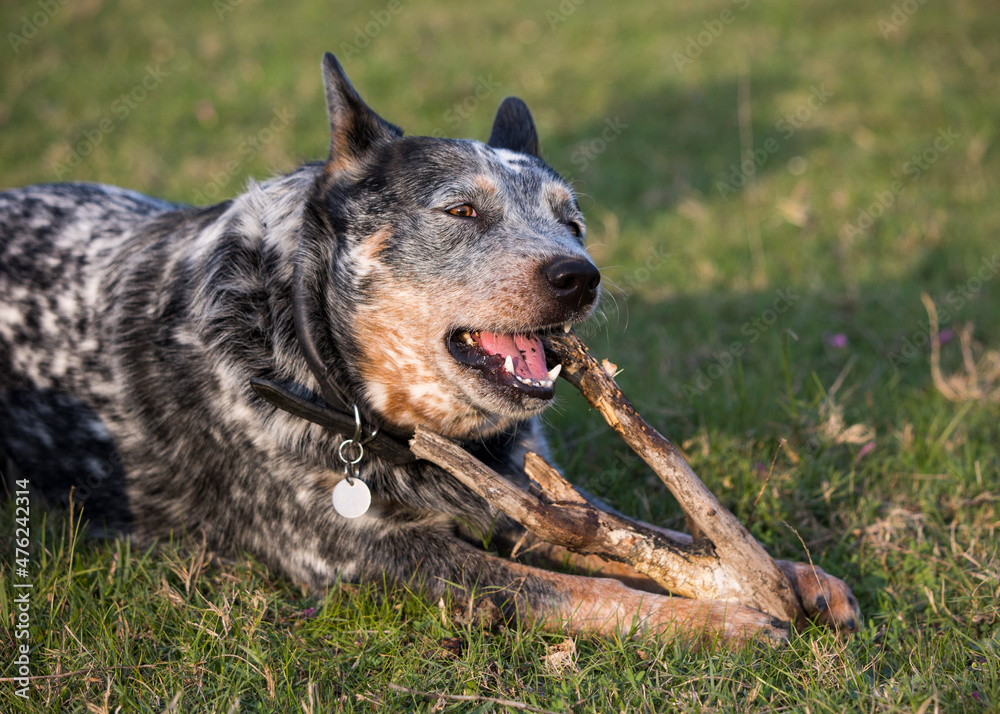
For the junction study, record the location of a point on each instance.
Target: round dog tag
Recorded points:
(351, 499)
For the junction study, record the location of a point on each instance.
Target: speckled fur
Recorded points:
(130, 329)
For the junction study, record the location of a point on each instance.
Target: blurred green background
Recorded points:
(653, 111)
(769, 188)
(640, 104)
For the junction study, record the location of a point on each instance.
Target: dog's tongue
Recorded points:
(526, 352)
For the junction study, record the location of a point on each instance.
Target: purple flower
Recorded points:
(837, 341)
(945, 336)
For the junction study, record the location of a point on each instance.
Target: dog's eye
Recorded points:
(463, 210)
(575, 228)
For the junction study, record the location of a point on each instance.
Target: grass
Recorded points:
(877, 476)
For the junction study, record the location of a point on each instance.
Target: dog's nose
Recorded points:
(573, 281)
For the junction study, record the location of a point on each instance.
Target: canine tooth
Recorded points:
(567, 327)
(554, 372)
(508, 364)
(467, 338)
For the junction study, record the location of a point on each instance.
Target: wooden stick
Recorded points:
(688, 569)
(744, 571)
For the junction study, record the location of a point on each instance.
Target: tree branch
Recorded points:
(748, 574)
(721, 562)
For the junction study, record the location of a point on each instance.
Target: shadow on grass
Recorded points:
(648, 152)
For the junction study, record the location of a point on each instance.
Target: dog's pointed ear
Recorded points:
(355, 129)
(514, 128)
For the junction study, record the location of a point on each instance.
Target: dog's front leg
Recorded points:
(825, 598)
(440, 563)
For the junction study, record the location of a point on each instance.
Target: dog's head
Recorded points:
(440, 262)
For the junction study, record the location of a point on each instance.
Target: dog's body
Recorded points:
(131, 328)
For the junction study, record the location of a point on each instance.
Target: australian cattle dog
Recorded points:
(199, 369)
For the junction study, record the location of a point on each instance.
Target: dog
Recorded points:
(201, 370)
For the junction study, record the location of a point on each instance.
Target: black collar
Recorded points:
(390, 447)
(335, 411)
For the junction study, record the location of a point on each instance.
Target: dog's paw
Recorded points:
(826, 599)
(740, 625)
(700, 623)
(604, 606)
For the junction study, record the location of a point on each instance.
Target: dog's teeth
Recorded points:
(554, 372)
(508, 364)
(467, 338)
(567, 327)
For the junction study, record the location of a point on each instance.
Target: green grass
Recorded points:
(910, 522)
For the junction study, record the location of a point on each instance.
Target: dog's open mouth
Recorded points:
(515, 360)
